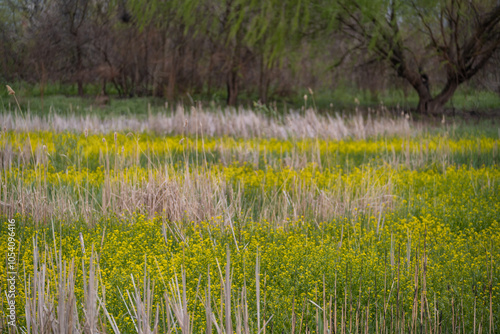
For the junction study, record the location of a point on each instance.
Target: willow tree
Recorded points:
(238, 31)
(274, 32)
(459, 35)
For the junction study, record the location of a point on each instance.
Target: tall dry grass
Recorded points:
(241, 123)
(192, 195)
(197, 195)
(181, 186)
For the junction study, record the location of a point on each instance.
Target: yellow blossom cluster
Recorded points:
(379, 232)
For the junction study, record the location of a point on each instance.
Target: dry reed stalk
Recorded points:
(359, 321)
(344, 319)
(208, 305)
(392, 327)
(241, 123)
(302, 314)
(404, 321)
(227, 293)
(325, 319)
(462, 309)
(178, 303)
(397, 289)
(334, 329)
(42, 316)
(330, 315)
(244, 306)
(474, 321)
(141, 307)
(67, 314)
(90, 291)
(367, 328)
(257, 290)
(415, 296)
(3, 318)
(110, 317)
(39, 306)
(264, 326)
(490, 288)
(453, 326)
(13, 93)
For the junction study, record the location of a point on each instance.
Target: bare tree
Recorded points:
(460, 36)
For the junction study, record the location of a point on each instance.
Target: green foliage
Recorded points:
(269, 26)
(341, 99)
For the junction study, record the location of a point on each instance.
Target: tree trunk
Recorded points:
(427, 105)
(79, 69)
(434, 106)
(80, 87)
(172, 76)
(232, 87)
(209, 84)
(263, 82)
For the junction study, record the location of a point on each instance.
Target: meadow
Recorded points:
(191, 221)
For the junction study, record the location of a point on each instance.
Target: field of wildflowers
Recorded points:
(143, 232)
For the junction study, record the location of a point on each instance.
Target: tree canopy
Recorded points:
(167, 48)
(457, 37)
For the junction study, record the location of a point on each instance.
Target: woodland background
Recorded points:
(233, 51)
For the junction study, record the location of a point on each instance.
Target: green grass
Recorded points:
(62, 99)
(343, 98)
(72, 105)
